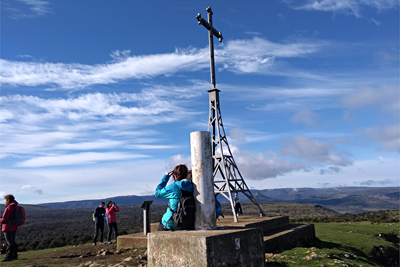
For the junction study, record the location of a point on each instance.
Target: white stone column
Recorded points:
(202, 175)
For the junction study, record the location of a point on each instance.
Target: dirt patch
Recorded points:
(86, 255)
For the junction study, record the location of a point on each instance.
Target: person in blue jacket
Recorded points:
(173, 193)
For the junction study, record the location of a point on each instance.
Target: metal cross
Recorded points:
(211, 31)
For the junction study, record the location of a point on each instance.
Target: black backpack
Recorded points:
(183, 217)
(19, 216)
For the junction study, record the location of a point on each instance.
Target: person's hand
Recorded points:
(169, 173)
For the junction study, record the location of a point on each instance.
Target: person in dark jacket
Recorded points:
(238, 207)
(173, 193)
(99, 214)
(9, 229)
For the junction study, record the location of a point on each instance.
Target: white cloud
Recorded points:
(313, 150)
(306, 117)
(28, 9)
(34, 125)
(245, 56)
(177, 160)
(348, 7)
(76, 159)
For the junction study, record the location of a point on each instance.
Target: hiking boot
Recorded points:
(7, 259)
(109, 242)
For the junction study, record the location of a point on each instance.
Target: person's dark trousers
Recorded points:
(12, 247)
(112, 226)
(97, 227)
(161, 226)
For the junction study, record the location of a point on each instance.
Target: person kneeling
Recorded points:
(173, 193)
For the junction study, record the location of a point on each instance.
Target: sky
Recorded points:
(98, 98)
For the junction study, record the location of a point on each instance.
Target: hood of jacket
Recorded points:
(185, 185)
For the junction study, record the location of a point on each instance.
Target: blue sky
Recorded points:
(98, 98)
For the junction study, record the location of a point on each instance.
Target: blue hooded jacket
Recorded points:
(173, 193)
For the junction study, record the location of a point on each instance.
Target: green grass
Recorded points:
(339, 244)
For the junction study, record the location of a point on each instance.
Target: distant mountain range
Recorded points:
(342, 199)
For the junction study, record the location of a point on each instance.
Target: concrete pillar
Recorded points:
(202, 176)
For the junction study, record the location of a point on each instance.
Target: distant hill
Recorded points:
(342, 199)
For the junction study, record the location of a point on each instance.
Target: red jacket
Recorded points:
(111, 213)
(8, 215)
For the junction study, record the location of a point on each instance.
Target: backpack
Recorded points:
(19, 216)
(184, 215)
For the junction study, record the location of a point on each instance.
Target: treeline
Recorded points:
(382, 216)
(50, 228)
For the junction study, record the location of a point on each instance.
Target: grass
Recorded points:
(339, 244)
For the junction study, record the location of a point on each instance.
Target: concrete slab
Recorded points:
(290, 236)
(221, 247)
(266, 223)
(137, 240)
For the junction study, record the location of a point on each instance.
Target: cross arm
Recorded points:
(209, 27)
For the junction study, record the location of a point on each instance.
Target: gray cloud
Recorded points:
(32, 189)
(376, 182)
(238, 135)
(263, 166)
(312, 150)
(306, 117)
(330, 170)
(385, 97)
(388, 138)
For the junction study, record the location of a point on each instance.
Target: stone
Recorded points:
(227, 247)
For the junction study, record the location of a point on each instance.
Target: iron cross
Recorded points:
(211, 31)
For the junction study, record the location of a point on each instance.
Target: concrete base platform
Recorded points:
(277, 233)
(227, 247)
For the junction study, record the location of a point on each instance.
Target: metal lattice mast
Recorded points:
(224, 164)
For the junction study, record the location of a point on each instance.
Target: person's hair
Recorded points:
(180, 172)
(109, 202)
(102, 203)
(9, 197)
(189, 175)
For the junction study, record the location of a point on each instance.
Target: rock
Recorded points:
(106, 252)
(128, 259)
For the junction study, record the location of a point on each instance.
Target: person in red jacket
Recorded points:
(8, 228)
(111, 209)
